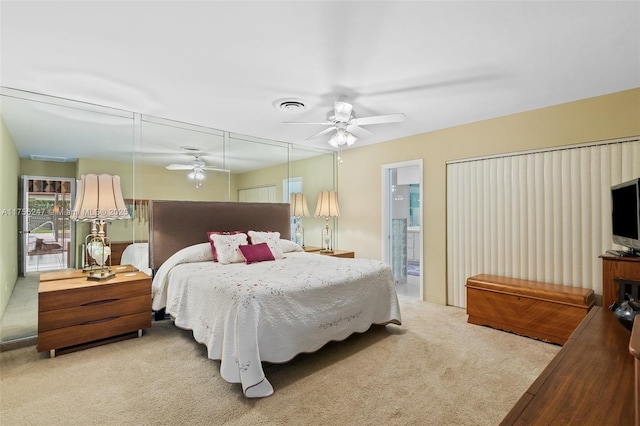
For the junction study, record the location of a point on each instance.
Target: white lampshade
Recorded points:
(99, 197)
(327, 205)
(298, 204)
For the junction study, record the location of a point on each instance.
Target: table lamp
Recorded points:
(98, 199)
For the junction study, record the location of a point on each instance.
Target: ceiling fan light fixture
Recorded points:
(342, 137)
(347, 127)
(196, 174)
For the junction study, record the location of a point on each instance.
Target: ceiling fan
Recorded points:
(342, 119)
(197, 167)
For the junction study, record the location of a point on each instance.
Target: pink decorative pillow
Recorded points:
(227, 247)
(213, 247)
(256, 253)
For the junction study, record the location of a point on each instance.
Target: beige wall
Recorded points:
(9, 182)
(360, 183)
(47, 168)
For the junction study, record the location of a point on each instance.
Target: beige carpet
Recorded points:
(435, 369)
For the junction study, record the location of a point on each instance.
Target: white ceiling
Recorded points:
(224, 64)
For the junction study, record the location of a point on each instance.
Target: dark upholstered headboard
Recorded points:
(174, 225)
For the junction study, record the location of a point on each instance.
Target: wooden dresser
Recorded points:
(76, 311)
(613, 267)
(589, 382)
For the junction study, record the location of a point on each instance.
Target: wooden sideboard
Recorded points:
(591, 381)
(627, 267)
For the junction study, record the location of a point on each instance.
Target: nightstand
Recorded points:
(335, 253)
(65, 274)
(311, 249)
(76, 313)
(340, 253)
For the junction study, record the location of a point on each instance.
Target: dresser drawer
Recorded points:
(106, 308)
(96, 330)
(92, 294)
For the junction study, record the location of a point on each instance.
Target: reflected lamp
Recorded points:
(327, 208)
(299, 209)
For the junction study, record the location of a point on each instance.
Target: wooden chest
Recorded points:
(548, 312)
(76, 311)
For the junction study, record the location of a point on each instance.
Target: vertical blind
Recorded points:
(543, 215)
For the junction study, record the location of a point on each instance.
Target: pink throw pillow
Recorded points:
(256, 253)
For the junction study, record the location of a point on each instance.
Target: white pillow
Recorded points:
(271, 238)
(289, 246)
(227, 250)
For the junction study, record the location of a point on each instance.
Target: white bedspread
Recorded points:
(271, 311)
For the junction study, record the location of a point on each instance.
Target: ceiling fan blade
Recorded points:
(378, 119)
(322, 132)
(342, 111)
(324, 123)
(215, 169)
(360, 132)
(179, 167)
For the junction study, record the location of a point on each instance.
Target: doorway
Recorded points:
(46, 231)
(402, 223)
(289, 186)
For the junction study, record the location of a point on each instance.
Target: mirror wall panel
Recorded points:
(57, 137)
(56, 141)
(316, 171)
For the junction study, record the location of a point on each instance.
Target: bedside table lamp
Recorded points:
(327, 208)
(299, 209)
(98, 199)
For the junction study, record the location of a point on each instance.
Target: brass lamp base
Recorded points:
(326, 251)
(100, 275)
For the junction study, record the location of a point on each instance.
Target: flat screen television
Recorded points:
(625, 216)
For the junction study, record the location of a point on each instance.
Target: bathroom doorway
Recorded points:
(402, 225)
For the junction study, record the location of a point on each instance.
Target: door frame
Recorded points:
(386, 213)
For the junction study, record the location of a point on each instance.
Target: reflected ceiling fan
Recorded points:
(347, 127)
(197, 167)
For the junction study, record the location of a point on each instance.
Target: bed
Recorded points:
(266, 311)
(137, 254)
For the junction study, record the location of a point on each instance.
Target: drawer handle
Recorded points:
(98, 321)
(100, 302)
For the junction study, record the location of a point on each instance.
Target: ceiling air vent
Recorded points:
(52, 158)
(290, 105)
